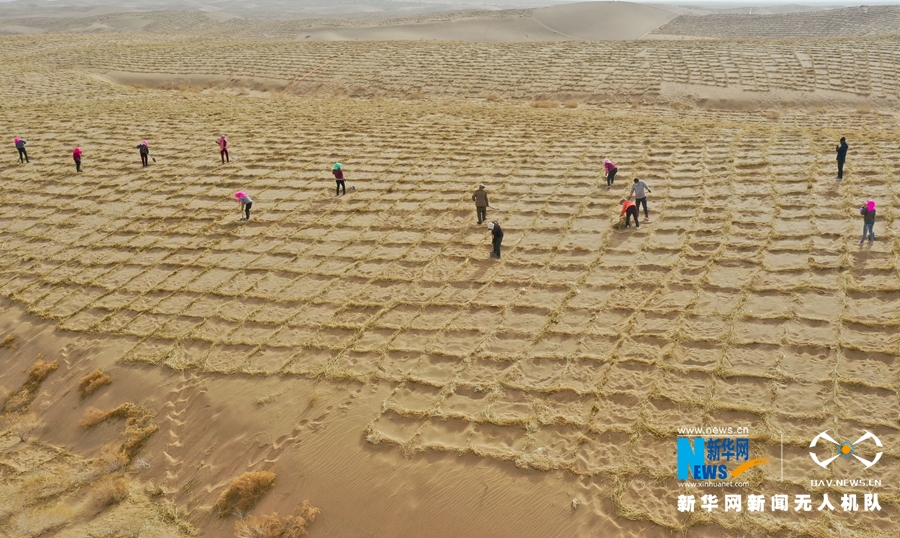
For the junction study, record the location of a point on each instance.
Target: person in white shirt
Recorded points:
(639, 190)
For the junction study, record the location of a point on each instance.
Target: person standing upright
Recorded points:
(76, 156)
(144, 149)
(23, 155)
(481, 203)
(497, 238)
(611, 170)
(841, 157)
(341, 186)
(223, 149)
(639, 190)
(868, 213)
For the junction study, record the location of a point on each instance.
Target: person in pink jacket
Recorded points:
(76, 156)
(246, 203)
(223, 149)
(610, 172)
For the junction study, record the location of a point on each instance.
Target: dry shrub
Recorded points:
(137, 432)
(110, 460)
(110, 490)
(8, 342)
(92, 417)
(772, 115)
(571, 103)
(244, 491)
(273, 526)
(19, 401)
(93, 381)
(40, 370)
(139, 426)
(493, 97)
(416, 95)
(544, 104)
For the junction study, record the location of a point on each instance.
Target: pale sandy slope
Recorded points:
(586, 20)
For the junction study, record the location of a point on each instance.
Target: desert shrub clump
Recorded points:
(8, 342)
(275, 526)
(544, 104)
(244, 491)
(20, 400)
(139, 426)
(110, 490)
(93, 381)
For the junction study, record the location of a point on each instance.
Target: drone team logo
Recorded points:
(845, 449)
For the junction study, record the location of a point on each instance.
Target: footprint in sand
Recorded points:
(177, 401)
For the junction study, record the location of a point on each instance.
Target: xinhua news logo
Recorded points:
(710, 458)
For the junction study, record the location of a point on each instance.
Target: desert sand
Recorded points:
(365, 349)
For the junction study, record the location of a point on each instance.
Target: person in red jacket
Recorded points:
(76, 156)
(630, 210)
(223, 149)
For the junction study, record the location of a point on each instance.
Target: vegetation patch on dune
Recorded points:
(139, 426)
(93, 381)
(275, 526)
(244, 491)
(19, 401)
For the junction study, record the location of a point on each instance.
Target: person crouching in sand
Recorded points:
(246, 204)
(611, 170)
(497, 238)
(76, 156)
(630, 210)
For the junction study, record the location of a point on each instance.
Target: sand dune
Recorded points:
(578, 21)
(366, 349)
(834, 23)
(588, 21)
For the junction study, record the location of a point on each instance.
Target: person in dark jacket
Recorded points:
(338, 171)
(841, 156)
(868, 213)
(144, 149)
(23, 155)
(497, 234)
(481, 203)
